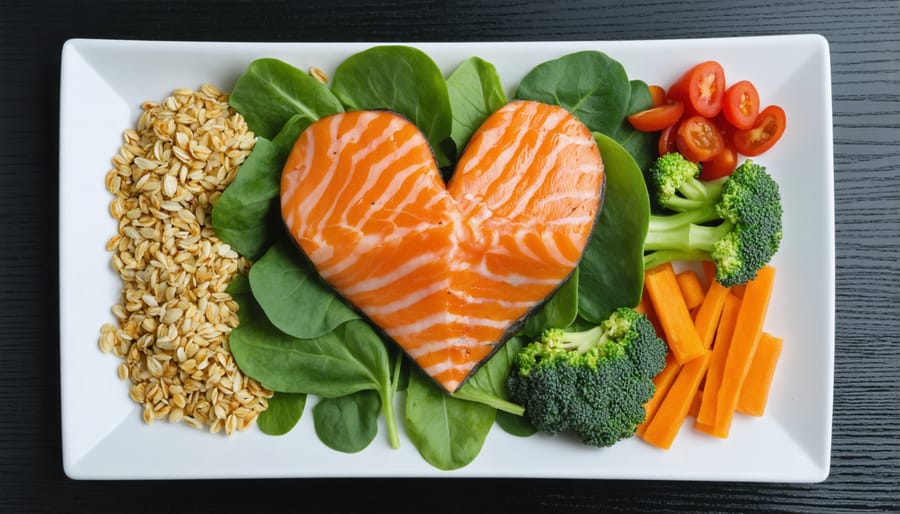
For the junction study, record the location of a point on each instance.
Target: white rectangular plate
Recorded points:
(105, 82)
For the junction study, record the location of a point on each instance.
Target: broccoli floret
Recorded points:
(673, 184)
(593, 382)
(740, 230)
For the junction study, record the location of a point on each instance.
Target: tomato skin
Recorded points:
(657, 95)
(725, 128)
(657, 118)
(721, 165)
(740, 105)
(701, 89)
(667, 140)
(764, 133)
(698, 139)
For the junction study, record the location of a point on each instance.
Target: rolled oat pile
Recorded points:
(175, 316)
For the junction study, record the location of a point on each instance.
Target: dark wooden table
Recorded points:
(865, 52)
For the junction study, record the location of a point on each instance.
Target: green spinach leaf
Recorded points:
(448, 432)
(518, 426)
(294, 299)
(348, 423)
(402, 364)
(271, 91)
(283, 413)
(488, 384)
(589, 84)
(247, 216)
(643, 146)
(558, 312)
(239, 286)
(475, 92)
(402, 79)
(348, 359)
(612, 267)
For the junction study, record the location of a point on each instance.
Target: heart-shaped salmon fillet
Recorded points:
(448, 272)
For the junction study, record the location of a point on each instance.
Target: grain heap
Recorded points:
(175, 315)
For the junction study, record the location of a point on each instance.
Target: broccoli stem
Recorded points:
(665, 223)
(660, 257)
(696, 194)
(702, 237)
(686, 237)
(679, 204)
(694, 189)
(581, 342)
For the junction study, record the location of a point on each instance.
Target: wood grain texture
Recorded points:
(865, 50)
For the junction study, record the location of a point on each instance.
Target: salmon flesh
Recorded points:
(448, 271)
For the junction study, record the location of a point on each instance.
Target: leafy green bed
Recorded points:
(298, 337)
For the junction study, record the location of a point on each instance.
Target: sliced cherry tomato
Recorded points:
(740, 106)
(724, 162)
(721, 165)
(765, 132)
(667, 140)
(725, 127)
(657, 118)
(698, 139)
(658, 95)
(701, 89)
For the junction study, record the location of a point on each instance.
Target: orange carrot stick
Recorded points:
(670, 416)
(707, 318)
(691, 289)
(663, 381)
(706, 418)
(747, 330)
(672, 312)
(695, 405)
(646, 308)
(755, 392)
